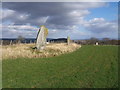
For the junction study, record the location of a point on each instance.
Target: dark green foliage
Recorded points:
(90, 66)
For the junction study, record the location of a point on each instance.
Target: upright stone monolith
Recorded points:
(68, 40)
(11, 42)
(41, 37)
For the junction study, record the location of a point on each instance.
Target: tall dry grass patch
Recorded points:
(27, 51)
(0, 52)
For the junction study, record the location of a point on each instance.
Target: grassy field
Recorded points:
(88, 67)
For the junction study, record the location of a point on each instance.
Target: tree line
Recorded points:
(104, 41)
(91, 41)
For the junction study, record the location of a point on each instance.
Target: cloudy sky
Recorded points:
(79, 20)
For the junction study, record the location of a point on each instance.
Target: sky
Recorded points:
(79, 20)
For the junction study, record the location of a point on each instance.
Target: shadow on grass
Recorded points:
(34, 49)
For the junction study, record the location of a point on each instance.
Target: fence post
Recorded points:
(1, 43)
(30, 41)
(11, 42)
(25, 41)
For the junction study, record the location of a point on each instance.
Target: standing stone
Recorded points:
(41, 38)
(30, 41)
(1, 43)
(68, 40)
(25, 41)
(11, 42)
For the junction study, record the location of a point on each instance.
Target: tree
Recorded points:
(20, 39)
(93, 40)
(106, 41)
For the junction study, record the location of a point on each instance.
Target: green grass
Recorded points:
(88, 67)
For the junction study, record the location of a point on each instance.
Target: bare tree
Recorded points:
(93, 40)
(20, 39)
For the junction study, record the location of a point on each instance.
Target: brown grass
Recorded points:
(27, 51)
(0, 52)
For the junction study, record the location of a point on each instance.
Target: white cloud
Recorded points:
(42, 20)
(85, 5)
(13, 16)
(74, 33)
(100, 25)
(79, 13)
(7, 13)
(22, 16)
(62, 19)
(19, 27)
(12, 31)
(57, 13)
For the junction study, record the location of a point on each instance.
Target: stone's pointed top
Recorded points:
(46, 29)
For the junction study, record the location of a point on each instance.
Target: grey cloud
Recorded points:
(12, 31)
(58, 17)
(59, 13)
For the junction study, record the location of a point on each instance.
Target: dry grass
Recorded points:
(27, 51)
(0, 52)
